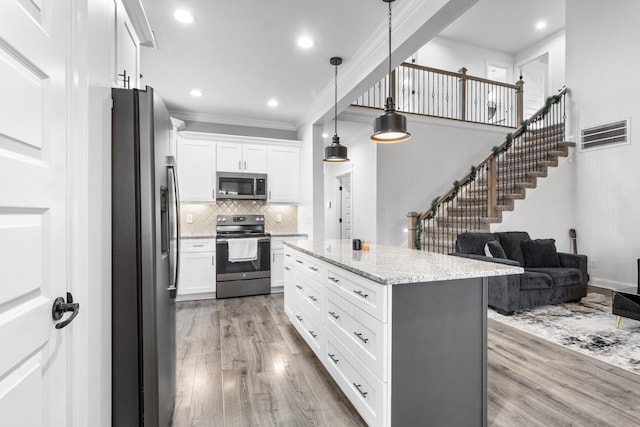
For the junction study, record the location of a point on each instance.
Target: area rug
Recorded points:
(587, 327)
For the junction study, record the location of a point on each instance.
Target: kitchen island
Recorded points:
(402, 332)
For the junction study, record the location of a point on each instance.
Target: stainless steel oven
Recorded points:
(251, 273)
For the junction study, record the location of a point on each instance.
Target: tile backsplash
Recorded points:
(204, 216)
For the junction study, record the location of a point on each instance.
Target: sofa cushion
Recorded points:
(473, 243)
(540, 253)
(510, 241)
(494, 249)
(535, 280)
(561, 276)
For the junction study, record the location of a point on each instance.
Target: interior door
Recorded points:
(33, 211)
(345, 206)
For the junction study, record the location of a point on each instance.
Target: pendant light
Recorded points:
(390, 126)
(335, 152)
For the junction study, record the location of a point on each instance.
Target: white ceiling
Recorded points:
(241, 53)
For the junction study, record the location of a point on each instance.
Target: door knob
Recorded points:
(60, 307)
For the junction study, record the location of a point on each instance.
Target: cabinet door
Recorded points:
(127, 51)
(254, 158)
(197, 273)
(277, 268)
(284, 174)
(229, 157)
(196, 168)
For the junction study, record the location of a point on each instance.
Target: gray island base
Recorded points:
(402, 332)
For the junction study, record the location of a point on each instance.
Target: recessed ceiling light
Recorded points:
(541, 25)
(184, 16)
(196, 92)
(272, 103)
(305, 42)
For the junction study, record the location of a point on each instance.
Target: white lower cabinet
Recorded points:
(341, 318)
(197, 268)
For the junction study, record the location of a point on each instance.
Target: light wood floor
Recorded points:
(241, 363)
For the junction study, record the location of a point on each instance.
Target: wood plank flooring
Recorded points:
(241, 363)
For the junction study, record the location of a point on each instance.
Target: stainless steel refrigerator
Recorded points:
(145, 234)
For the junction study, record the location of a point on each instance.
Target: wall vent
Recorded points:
(606, 135)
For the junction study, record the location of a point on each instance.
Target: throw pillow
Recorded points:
(540, 253)
(494, 249)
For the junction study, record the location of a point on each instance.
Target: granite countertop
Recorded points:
(391, 265)
(213, 236)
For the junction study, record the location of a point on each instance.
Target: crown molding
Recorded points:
(138, 17)
(225, 120)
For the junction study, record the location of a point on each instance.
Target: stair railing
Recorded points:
(445, 94)
(492, 185)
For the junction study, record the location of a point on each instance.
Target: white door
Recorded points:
(33, 211)
(535, 75)
(345, 206)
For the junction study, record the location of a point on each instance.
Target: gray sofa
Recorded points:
(550, 277)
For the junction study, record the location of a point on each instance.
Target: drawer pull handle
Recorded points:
(299, 317)
(313, 269)
(313, 334)
(197, 246)
(334, 280)
(299, 262)
(287, 255)
(359, 293)
(334, 315)
(312, 298)
(363, 393)
(333, 358)
(287, 268)
(299, 287)
(359, 335)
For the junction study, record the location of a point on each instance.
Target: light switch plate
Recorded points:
(278, 217)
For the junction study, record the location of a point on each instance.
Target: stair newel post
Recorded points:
(519, 101)
(463, 93)
(492, 188)
(411, 229)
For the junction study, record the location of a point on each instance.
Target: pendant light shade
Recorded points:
(335, 152)
(390, 127)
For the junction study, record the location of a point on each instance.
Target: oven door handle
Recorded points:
(266, 239)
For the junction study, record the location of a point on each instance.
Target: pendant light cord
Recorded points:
(389, 49)
(335, 104)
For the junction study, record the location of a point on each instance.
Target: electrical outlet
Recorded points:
(189, 218)
(592, 264)
(278, 218)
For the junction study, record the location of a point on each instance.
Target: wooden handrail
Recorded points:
(454, 74)
(482, 164)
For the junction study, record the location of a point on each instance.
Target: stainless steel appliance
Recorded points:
(248, 186)
(144, 260)
(236, 278)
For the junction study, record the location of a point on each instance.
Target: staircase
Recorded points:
(491, 188)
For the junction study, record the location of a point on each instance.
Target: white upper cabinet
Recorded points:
(239, 157)
(283, 174)
(127, 73)
(196, 169)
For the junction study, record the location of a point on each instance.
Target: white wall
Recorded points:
(451, 55)
(412, 173)
(554, 45)
(548, 210)
(602, 59)
(362, 156)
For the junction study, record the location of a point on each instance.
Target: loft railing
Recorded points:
(492, 186)
(458, 96)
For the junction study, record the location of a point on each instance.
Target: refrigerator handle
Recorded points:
(171, 166)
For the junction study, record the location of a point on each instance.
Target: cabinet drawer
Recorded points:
(310, 266)
(309, 292)
(197, 245)
(365, 336)
(365, 391)
(365, 294)
(309, 327)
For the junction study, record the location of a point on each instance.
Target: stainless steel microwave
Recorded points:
(248, 186)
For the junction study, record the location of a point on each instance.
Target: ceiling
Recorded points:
(241, 53)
